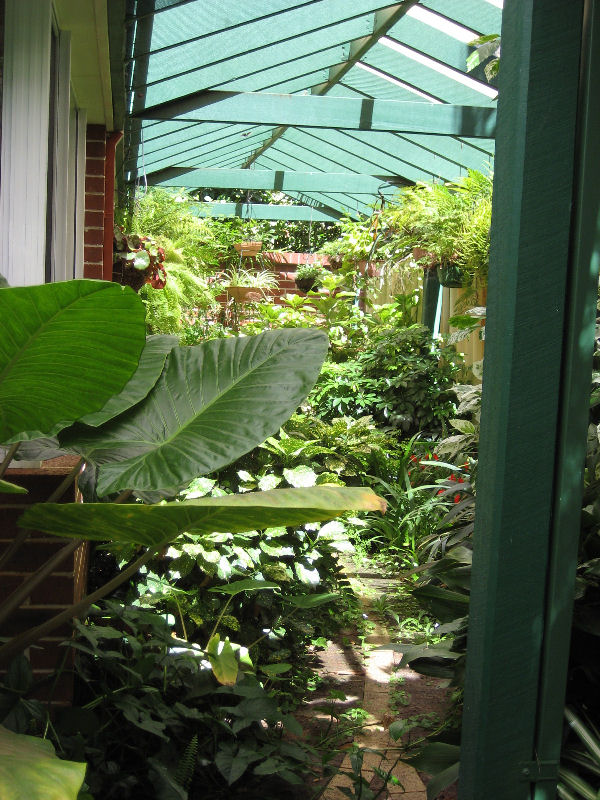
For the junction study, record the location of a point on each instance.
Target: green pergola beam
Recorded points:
(536, 383)
(384, 20)
(263, 211)
(342, 113)
(273, 180)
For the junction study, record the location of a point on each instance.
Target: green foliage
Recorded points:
(39, 356)
(449, 222)
(401, 377)
(486, 47)
(30, 769)
(151, 714)
(184, 294)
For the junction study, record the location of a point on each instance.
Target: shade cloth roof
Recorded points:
(202, 76)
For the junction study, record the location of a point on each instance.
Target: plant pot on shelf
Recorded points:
(449, 274)
(248, 248)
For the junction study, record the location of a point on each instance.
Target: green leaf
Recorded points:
(463, 425)
(11, 488)
(151, 364)
(140, 259)
(233, 762)
(65, 349)
(222, 660)
(245, 585)
(435, 757)
(442, 780)
(300, 477)
(269, 482)
(234, 513)
(213, 403)
(312, 600)
(275, 669)
(30, 769)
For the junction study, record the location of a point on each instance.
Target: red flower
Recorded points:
(435, 455)
(457, 498)
(440, 491)
(461, 480)
(452, 477)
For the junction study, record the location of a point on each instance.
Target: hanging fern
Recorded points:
(183, 292)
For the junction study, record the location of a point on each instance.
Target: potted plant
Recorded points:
(248, 248)
(308, 276)
(243, 284)
(138, 260)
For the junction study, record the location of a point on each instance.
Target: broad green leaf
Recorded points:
(245, 585)
(213, 403)
(30, 769)
(11, 488)
(65, 349)
(232, 761)
(222, 660)
(234, 513)
(151, 364)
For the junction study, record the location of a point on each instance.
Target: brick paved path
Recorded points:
(365, 679)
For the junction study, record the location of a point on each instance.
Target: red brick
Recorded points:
(94, 184)
(92, 271)
(96, 132)
(92, 254)
(94, 202)
(93, 236)
(94, 219)
(94, 149)
(94, 166)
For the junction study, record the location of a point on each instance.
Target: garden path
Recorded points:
(370, 679)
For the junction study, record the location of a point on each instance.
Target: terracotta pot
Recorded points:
(248, 248)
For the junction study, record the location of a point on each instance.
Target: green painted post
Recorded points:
(580, 329)
(523, 398)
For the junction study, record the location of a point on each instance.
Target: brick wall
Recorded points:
(65, 585)
(93, 236)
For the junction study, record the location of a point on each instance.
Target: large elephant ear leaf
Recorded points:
(233, 513)
(150, 366)
(65, 348)
(30, 768)
(213, 403)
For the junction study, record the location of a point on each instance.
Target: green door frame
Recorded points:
(541, 318)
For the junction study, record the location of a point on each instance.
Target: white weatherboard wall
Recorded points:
(25, 116)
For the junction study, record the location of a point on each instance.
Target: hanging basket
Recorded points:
(244, 294)
(306, 284)
(248, 248)
(450, 275)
